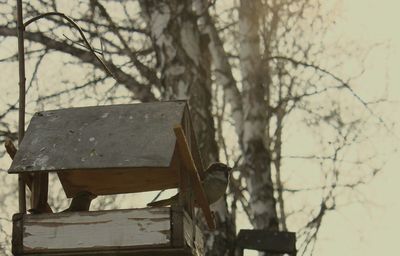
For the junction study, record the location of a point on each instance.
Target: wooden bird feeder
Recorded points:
(110, 150)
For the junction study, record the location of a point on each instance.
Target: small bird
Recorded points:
(214, 184)
(81, 202)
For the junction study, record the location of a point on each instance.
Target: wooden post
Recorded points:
(17, 234)
(191, 167)
(39, 195)
(177, 232)
(21, 106)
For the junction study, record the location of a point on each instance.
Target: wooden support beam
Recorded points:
(188, 163)
(177, 227)
(39, 195)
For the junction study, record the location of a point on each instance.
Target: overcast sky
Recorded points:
(371, 229)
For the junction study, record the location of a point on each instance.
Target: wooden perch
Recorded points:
(12, 151)
(191, 167)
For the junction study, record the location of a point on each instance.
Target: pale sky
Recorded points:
(371, 229)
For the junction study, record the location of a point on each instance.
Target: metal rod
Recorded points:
(21, 114)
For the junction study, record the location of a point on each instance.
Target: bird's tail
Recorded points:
(164, 202)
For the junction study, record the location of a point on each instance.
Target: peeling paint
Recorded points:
(118, 228)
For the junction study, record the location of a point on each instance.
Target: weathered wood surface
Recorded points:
(108, 149)
(148, 231)
(96, 230)
(185, 233)
(123, 252)
(193, 235)
(123, 136)
(178, 239)
(190, 166)
(100, 182)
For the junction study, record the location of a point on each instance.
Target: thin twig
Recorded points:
(82, 45)
(72, 22)
(345, 84)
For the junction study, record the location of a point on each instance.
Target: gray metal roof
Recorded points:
(136, 135)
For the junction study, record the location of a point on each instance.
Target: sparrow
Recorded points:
(81, 202)
(214, 184)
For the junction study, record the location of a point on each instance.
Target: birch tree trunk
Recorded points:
(184, 64)
(257, 158)
(222, 68)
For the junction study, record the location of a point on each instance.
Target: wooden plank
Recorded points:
(191, 136)
(189, 164)
(186, 193)
(177, 229)
(267, 241)
(40, 188)
(94, 231)
(193, 235)
(17, 232)
(118, 180)
(184, 233)
(122, 252)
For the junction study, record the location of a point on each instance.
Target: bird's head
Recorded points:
(220, 167)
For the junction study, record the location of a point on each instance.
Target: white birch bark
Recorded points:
(183, 69)
(221, 241)
(184, 64)
(256, 155)
(221, 66)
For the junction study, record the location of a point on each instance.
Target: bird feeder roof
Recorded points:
(103, 137)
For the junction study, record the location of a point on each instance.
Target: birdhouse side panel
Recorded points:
(193, 236)
(106, 230)
(117, 181)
